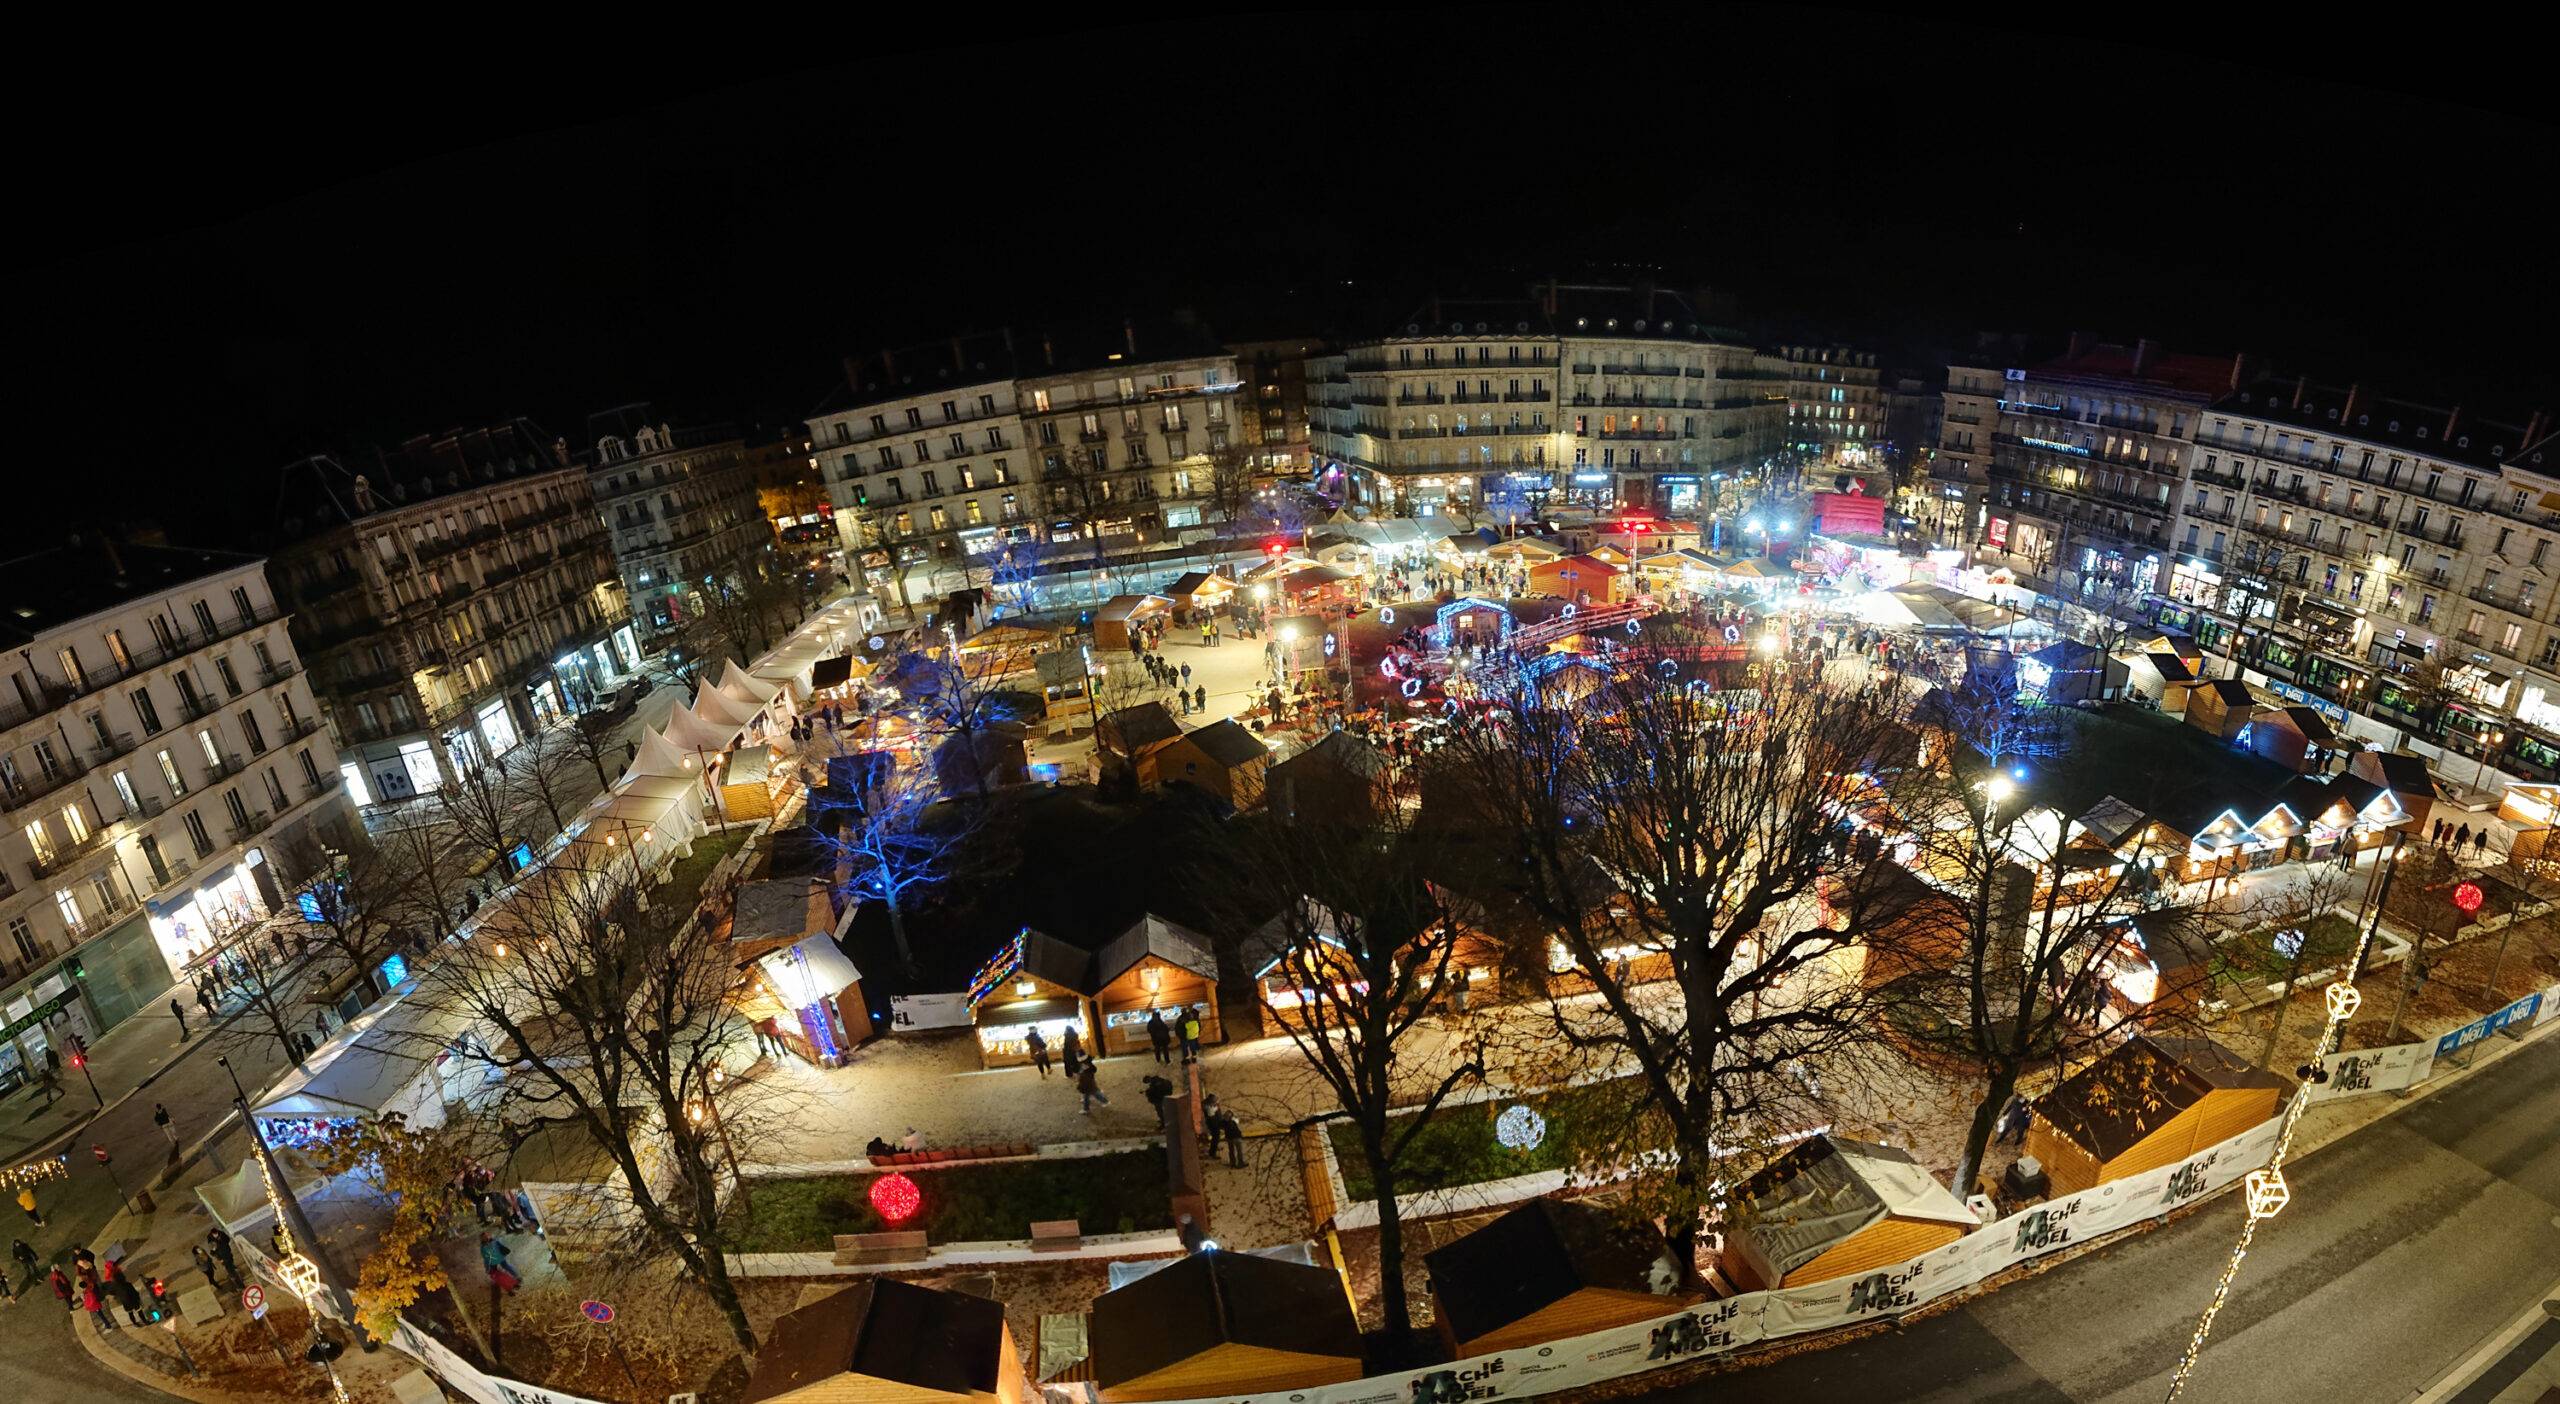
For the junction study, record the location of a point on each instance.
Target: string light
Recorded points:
(35, 1172)
(2264, 1189)
(299, 1274)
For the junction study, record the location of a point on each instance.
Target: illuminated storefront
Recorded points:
(1034, 982)
(192, 926)
(497, 728)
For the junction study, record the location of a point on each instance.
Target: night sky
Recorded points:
(239, 267)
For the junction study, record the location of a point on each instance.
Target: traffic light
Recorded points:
(78, 1044)
(157, 1309)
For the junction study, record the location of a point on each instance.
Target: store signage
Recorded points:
(929, 1011)
(40, 1013)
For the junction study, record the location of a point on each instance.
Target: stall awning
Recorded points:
(808, 972)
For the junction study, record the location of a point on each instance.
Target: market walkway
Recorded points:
(2406, 1243)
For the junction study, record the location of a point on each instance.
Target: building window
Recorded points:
(23, 937)
(145, 711)
(75, 822)
(169, 775)
(196, 835)
(40, 840)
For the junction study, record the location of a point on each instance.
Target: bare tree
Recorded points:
(264, 978)
(1229, 487)
(1656, 822)
(1369, 947)
(618, 1020)
(550, 775)
(478, 805)
(360, 906)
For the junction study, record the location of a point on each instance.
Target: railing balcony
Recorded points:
(277, 672)
(64, 855)
(197, 705)
(111, 746)
(223, 767)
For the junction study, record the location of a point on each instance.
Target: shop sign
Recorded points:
(929, 1011)
(2520, 1012)
(40, 1013)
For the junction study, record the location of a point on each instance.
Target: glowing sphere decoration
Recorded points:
(1635, 629)
(1387, 616)
(878, 643)
(2468, 897)
(1413, 687)
(1387, 667)
(896, 1197)
(1568, 612)
(1520, 1128)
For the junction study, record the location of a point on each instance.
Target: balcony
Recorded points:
(296, 728)
(197, 706)
(110, 747)
(27, 789)
(325, 785)
(257, 824)
(223, 768)
(65, 855)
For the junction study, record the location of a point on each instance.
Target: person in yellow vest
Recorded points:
(27, 1201)
(1191, 1034)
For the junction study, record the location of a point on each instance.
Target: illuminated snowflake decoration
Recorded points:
(1386, 616)
(1520, 1128)
(2344, 1001)
(896, 1197)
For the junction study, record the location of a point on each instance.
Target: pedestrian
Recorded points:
(911, 1142)
(27, 1201)
(204, 1002)
(1073, 1051)
(178, 1012)
(493, 1258)
(1186, 672)
(204, 1264)
(2462, 838)
(220, 1242)
(96, 1305)
(1200, 698)
(26, 1257)
(2479, 842)
(168, 1128)
(1159, 1036)
(1158, 1093)
(1191, 1034)
(1039, 1048)
(61, 1287)
(1089, 1087)
(120, 1288)
(1223, 1127)
(320, 1023)
(524, 1211)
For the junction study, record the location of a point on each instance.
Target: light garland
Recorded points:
(2264, 1189)
(299, 1274)
(35, 1172)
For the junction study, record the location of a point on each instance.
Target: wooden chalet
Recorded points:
(1215, 1325)
(1155, 965)
(1132, 738)
(1223, 758)
(2149, 1102)
(1034, 981)
(2221, 708)
(1832, 1206)
(1121, 614)
(884, 1341)
(1581, 579)
(1549, 1269)
(1341, 779)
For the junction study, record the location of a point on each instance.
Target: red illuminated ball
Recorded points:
(896, 1198)
(2468, 897)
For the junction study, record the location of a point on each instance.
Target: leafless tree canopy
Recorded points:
(616, 1020)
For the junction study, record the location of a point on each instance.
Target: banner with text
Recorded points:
(1712, 1328)
(2392, 1069)
(908, 1013)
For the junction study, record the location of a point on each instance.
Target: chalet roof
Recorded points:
(1152, 935)
(2174, 939)
(2170, 666)
(1212, 1299)
(2232, 691)
(1230, 744)
(781, 907)
(1537, 1255)
(1057, 962)
(2314, 727)
(1340, 750)
(2140, 1086)
(1146, 724)
(1826, 1189)
(884, 1329)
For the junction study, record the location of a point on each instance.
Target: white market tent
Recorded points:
(688, 731)
(739, 683)
(719, 708)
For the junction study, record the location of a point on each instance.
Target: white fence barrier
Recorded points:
(1712, 1328)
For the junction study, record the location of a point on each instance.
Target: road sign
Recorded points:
(597, 1312)
(254, 1299)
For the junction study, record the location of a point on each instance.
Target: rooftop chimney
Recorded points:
(853, 373)
(2078, 344)
(2347, 411)
(2532, 428)
(889, 364)
(2450, 421)
(2143, 351)
(2300, 384)
(1048, 353)
(2239, 368)
(1129, 334)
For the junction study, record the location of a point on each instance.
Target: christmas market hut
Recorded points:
(1832, 1206)
(1034, 981)
(746, 785)
(1122, 613)
(884, 1341)
(1155, 965)
(1548, 1269)
(2149, 1102)
(1201, 590)
(1218, 1324)
(800, 986)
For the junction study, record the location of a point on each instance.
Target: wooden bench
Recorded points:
(857, 1248)
(1056, 1235)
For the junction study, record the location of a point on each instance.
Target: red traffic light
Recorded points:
(79, 1060)
(2467, 896)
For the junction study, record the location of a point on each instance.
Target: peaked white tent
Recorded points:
(689, 731)
(738, 682)
(659, 756)
(713, 705)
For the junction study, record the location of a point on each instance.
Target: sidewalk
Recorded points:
(122, 1061)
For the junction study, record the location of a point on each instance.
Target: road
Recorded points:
(2407, 1244)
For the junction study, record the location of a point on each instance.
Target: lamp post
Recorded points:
(695, 1109)
(2488, 745)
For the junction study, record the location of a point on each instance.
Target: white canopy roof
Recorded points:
(806, 972)
(713, 705)
(660, 757)
(692, 732)
(741, 683)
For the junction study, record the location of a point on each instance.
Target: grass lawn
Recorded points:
(1124, 1192)
(683, 888)
(2327, 939)
(1458, 1147)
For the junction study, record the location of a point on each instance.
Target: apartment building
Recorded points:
(1577, 395)
(1138, 437)
(166, 775)
(1835, 402)
(953, 462)
(924, 457)
(1273, 403)
(790, 490)
(681, 506)
(2391, 557)
(2076, 468)
(450, 599)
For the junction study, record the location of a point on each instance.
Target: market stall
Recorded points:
(1034, 981)
(1548, 1269)
(1831, 1207)
(2149, 1102)
(1155, 965)
(884, 1341)
(1122, 613)
(746, 784)
(801, 987)
(1217, 1325)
